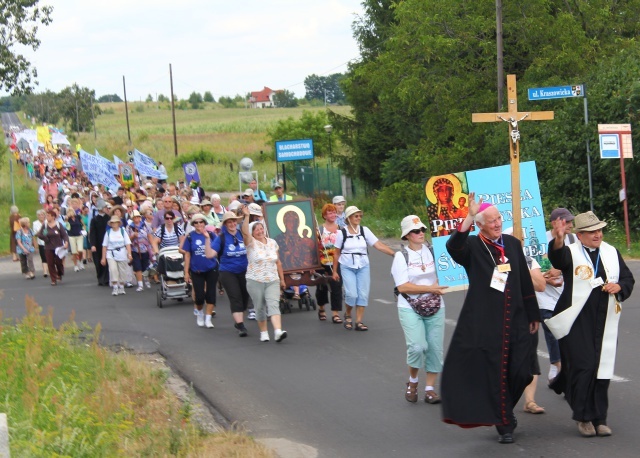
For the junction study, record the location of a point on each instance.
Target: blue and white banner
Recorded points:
(117, 161)
(94, 167)
(447, 204)
(146, 166)
(110, 166)
(191, 172)
(294, 150)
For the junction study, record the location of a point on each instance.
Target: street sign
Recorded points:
(556, 92)
(294, 150)
(609, 146)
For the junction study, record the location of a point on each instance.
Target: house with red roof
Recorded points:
(263, 98)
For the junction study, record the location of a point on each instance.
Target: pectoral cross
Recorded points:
(513, 117)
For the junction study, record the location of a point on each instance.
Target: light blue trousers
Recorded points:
(357, 283)
(424, 337)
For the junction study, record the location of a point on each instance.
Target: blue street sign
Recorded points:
(609, 146)
(294, 150)
(556, 92)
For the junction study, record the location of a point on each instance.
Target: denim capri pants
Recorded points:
(357, 283)
(424, 337)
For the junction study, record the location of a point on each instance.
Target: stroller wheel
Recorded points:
(159, 299)
(313, 303)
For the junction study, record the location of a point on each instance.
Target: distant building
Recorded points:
(263, 98)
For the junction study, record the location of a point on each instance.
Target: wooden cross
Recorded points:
(513, 117)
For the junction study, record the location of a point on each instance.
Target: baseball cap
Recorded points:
(561, 213)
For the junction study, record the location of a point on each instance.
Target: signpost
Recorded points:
(563, 92)
(615, 142)
(293, 150)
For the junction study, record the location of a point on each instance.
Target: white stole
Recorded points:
(583, 273)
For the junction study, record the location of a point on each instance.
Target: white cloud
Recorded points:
(226, 47)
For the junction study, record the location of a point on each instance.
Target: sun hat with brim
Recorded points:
(198, 217)
(206, 202)
(410, 223)
(119, 207)
(230, 215)
(351, 210)
(587, 222)
(338, 200)
(248, 192)
(115, 219)
(255, 209)
(135, 213)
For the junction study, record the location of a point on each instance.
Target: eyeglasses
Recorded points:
(198, 222)
(168, 218)
(422, 230)
(356, 216)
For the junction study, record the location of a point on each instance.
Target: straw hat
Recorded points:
(135, 213)
(115, 219)
(587, 222)
(198, 217)
(230, 215)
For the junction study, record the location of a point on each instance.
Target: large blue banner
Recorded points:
(96, 171)
(146, 166)
(110, 166)
(447, 204)
(294, 150)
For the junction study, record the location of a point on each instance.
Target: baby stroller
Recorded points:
(305, 299)
(171, 271)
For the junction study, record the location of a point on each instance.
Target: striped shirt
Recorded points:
(171, 238)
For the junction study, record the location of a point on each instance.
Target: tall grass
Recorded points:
(65, 395)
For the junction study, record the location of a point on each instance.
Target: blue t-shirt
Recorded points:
(233, 256)
(194, 243)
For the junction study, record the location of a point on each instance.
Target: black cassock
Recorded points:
(490, 359)
(580, 349)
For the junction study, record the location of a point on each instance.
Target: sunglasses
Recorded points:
(422, 230)
(168, 219)
(198, 222)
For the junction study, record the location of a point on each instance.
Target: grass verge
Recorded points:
(65, 395)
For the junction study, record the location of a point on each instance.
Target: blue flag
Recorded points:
(191, 172)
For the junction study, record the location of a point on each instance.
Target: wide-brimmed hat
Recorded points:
(410, 223)
(255, 209)
(339, 200)
(587, 222)
(119, 207)
(115, 219)
(135, 213)
(198, 217)
(561, 213)
(351, 210)
(205, 202)
(230, 215)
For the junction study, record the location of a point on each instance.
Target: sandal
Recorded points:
(532, 407)
(361, 327)
(348, 323)
(411, 394)
(336, 319)
(322, 315)
(431, 397)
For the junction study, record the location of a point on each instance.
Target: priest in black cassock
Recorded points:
(585, 320)
(490, 359)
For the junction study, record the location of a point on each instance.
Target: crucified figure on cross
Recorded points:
(515, 133)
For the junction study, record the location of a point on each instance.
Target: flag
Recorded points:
(191, 172)
(146, 166)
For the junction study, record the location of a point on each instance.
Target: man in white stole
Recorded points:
(585, 320)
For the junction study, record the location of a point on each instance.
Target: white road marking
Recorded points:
(384, 301)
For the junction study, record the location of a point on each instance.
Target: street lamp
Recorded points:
(328, 129)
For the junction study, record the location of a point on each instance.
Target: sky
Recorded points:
(225, 47)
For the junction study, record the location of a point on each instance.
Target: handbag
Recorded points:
(425, 304)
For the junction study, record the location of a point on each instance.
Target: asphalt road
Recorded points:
(338, 392)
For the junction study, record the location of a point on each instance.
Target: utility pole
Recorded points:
(93, 118)
(173, 114)
(500, 53)
(126, 108)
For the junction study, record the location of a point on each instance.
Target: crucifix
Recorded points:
(513, 117)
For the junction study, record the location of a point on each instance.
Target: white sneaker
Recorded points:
(80, 266)
(139, 288)
(147, 284)
(195, 312)
(251, 315)
(207, 321)
(76, 269)
(115, 291)
(200, 319)
(122, 291)
(128, 285)
(264, 336)
(280, 335)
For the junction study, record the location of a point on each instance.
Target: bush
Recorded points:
(199, 157)
(399, 200)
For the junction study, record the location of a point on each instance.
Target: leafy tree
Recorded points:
(75, 107)
(11, 104)
(162, 98)
(208, 97)
(285, 99)
(308, 126)
(324, 88)
(45, 107)
(19, 20)
(149, 98)
(195, 100)
(110, 98)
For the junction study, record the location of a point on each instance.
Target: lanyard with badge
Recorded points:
(597, 281)
(500, 271)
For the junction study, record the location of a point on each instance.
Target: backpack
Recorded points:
(405, 253)
(345, 236)
(121, 231)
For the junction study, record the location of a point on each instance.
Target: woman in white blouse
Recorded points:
(414, 274)
(351, 252)
(264, 276)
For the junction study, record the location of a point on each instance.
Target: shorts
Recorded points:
(76, 244)
(139, 261)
